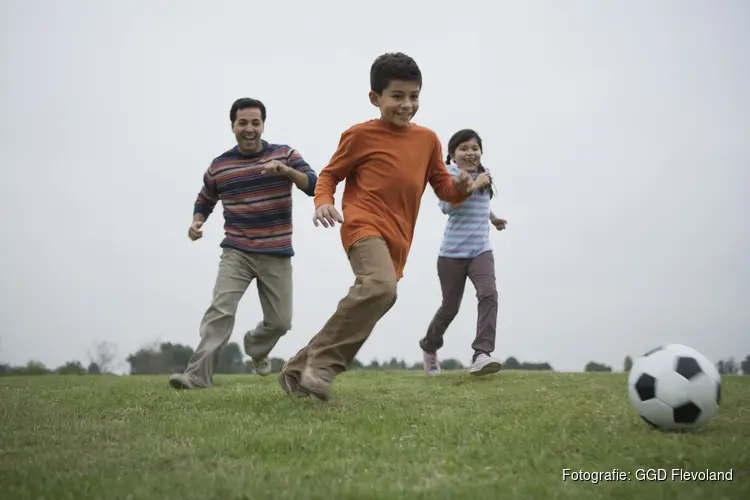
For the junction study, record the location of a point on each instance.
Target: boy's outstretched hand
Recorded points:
(327, 215)
(463, 182)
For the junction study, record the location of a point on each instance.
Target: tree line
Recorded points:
(725, 366)
(167, 357)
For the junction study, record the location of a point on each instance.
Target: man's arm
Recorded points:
(207, 198)
(342, 162)
(300, 173)
(442, 182)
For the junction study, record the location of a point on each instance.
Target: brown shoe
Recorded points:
(319, 383)
(290, 385)
(182, 381)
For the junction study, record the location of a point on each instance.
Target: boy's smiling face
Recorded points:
(398, 103)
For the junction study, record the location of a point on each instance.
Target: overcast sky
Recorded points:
(618, 133)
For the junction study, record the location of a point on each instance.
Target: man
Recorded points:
(254, 182)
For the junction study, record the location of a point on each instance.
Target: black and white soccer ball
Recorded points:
(675, 388)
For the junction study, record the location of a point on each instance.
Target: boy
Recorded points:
(387, 164)
(254, 181)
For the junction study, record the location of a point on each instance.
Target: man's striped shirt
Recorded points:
(257, 207)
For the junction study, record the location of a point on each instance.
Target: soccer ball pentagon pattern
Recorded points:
(674, 388)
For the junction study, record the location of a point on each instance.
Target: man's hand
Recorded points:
(275, 167)
(196, 230)
(499, 223)
(327, 215)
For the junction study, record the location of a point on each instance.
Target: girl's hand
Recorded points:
(499, 223)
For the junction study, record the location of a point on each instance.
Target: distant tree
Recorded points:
(536, 366)
(727, 366)
(628, 364)
(230, 359)
(71, 368)
(356, 365)
(593, 366)
(512, 364)
(451, 364)
(417, 366)
(395, 364)
(745, 365)
(34, 367)
(277, 364)
(104, 355)
(93, 369)
(374, 365)
(160, 359)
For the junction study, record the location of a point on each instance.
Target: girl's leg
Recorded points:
(481, 272)
(452, 275)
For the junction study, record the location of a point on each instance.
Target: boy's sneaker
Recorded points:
(431, 363)
(182, 381)
(290, 385)
(262, 366)
(484, 365)
(319, 383)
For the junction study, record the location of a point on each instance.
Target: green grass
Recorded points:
(385, 435)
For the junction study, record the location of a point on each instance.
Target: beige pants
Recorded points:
(236, 271)
(369, 299)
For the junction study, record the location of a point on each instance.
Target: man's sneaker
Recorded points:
(319, 383)
(431, 363)
(182, 381)
(484, 365)
(290, 385)
(262, 366)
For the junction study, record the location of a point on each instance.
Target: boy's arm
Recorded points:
(342, 162)
(442, 182)
(207, 197)
(300, 173)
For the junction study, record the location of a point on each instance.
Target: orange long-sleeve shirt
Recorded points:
(387, 169)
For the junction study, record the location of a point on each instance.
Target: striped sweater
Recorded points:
(467, 233)
(257, 208)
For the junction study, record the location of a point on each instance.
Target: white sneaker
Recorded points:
(484, 365)
(431, 364)
(262, 366)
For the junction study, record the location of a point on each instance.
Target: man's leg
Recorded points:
(336, 345)
(232, 280)
(275, 292)
(452, 276)
(482, 275)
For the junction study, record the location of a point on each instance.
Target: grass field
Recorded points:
(385, 435)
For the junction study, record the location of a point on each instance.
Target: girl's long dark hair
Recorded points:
(459, 138)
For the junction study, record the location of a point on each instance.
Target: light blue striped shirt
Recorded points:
(467, 233)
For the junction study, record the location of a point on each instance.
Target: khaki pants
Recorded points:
(369, 299)
(236, 271)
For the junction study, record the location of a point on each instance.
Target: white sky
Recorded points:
(618, 133)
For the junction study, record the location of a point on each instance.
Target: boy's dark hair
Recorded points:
(393, 66)
(245, 103)
(459, 138)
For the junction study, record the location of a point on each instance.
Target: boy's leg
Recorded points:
(452, 275)
(275, 293)
(336, 345)
(482, 275)
(234, 276)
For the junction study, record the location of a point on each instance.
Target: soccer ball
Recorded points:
(674, 388)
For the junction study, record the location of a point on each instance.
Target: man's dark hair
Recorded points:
(393, 66)
(245, 103)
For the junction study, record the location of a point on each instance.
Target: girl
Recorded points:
(466, 252)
